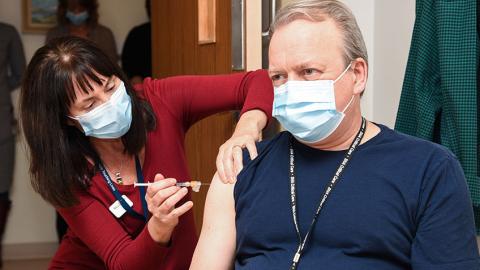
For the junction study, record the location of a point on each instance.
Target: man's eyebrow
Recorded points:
(307, 64)
(274, 71)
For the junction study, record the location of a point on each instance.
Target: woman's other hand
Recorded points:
(247, 132)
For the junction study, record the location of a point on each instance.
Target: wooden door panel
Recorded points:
(202, 152)
(176, 51)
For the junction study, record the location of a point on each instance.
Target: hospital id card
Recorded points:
(117, 209)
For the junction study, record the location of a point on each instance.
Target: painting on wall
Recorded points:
(39, 15)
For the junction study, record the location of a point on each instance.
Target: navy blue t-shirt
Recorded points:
(401, 203)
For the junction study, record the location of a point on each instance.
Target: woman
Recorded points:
(91, 137)
(80, 18)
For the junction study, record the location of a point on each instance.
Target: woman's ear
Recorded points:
(360, 69)
(71, 122)
(74, 123)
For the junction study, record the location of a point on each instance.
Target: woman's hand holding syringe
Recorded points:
(164, 199)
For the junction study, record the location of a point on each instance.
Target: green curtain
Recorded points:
(439, 96)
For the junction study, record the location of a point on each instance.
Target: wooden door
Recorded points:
(176, 51)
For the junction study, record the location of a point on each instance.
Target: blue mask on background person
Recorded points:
(307, 109)
(78, 18)
(110, 120)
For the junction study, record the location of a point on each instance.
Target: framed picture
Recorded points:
(38, 15)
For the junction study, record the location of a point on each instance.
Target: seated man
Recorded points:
(336, 191)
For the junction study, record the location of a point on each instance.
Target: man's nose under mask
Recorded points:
(307, 109)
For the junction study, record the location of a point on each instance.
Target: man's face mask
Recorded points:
(112, 119)
(307, 108)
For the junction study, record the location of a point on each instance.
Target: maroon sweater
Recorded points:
(98, 240)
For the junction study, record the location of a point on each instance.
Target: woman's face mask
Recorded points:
(110, 120)
(77, 18)
(307, 109)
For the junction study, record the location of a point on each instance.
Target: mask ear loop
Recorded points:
(339, 77)
(349, 103)
(343, 73)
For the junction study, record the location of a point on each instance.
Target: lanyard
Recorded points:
(118, 195)
(328, 190)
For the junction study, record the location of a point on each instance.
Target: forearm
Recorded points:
(193, 98)
(160, 234)
(143, 252)
(251, 123)
(247, 133)
(109, 240)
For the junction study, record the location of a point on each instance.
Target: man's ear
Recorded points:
(360, 69)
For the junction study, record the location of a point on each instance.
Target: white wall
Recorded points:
(364, 11)
(120, 16)
(253, 38)
(31, 219)
(393, 33)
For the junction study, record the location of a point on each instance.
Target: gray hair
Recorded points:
(317, 11)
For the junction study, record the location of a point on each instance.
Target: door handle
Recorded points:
(238, 35)
(269, 10)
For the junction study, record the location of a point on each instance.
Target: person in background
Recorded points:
(91, 136)
(137, 51)
(12, 66)
(335, 191)
(80, 18)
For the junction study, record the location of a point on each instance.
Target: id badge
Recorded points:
(117, 209)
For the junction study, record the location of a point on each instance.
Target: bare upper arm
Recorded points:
(216, 246)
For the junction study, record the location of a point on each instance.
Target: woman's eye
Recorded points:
(111, 88)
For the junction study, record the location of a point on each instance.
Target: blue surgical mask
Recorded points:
(307, 109)
(112, 119)
(77, 18)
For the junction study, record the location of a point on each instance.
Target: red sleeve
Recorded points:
(191, 98)
(98, 229)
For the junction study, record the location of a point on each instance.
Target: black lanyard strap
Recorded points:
(140, 179)
(324, 197)
(118, 195)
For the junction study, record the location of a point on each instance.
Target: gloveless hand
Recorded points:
(247, 132)
(161, 199)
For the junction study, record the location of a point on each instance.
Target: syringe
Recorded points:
(195, 185)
